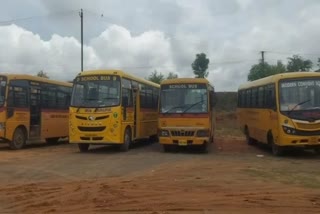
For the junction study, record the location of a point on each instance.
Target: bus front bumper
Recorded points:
(183, 141)
(300, 141)
(95, 142)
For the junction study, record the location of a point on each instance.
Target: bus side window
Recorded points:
(17, 97)
(127, 92)
(270, 99)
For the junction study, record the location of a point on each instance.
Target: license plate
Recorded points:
(182, 143)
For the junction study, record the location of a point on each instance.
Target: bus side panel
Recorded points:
(54, 124)
(259, 122)
(148, 121)
(19, 117)
(126, 122)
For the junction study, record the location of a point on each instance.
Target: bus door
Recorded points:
(135, 95)
(35, 111)
(17, 106)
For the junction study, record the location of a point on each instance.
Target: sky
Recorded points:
(141, 36)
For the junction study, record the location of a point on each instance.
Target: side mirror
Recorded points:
(124, 101)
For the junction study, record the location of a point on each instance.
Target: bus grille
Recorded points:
(182, 133)
(96, 118)
(307, 126)
(91, 129)
(81, 118)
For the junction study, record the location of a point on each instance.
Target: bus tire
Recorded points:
(168, 148)
(204, 148)
(250, 140)
(52, 140)
(127, 141)
(153, 139)
(83, 147)
(276, 150)
(18, 140)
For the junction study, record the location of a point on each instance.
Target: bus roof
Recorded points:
(275, 78)
(35, 78)
(120, 73)
(185, 80)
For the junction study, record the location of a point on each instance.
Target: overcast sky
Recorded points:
(141, 36)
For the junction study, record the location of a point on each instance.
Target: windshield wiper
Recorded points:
(174, 107)
(90, 99)
(78, 108)
(299, 104)
(109, 98)
(192, 105)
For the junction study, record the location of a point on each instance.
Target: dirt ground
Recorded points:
(231, 178)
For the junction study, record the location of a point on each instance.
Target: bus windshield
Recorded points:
(184, 98)
(97, 91)
(299, 95)
(3, 84)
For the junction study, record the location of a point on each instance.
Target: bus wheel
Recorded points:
(83, 147)
(18, 140)
(52, 140)
(127, 141)
(204, 148)
(250, 140)
(276, 150)
(168, 148)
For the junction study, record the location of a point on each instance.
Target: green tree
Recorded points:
(318, 64)
(200, 66)
(278, 68)
(156, 77)
(172, 75)
(261, 70)
(297, 63)
(42, 74)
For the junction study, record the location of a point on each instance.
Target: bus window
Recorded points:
(2, 91)
(18, 97)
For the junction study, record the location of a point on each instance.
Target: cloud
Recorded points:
(26, 52)
(142, 36)
(146, 52)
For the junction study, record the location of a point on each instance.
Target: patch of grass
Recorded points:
(227, 132)
(308, 179)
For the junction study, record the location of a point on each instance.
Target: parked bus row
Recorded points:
(111, 107)
(108, 107)
(115, 108)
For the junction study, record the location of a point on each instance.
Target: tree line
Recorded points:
(295, 63)
(199, 66)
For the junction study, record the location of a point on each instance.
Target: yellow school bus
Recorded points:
(32, 109)
(186, 113)
(112, 107)
(281, 110)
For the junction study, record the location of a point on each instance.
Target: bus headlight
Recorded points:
(203, 133)
(163, 133)
(289, 130)
(2, 126)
